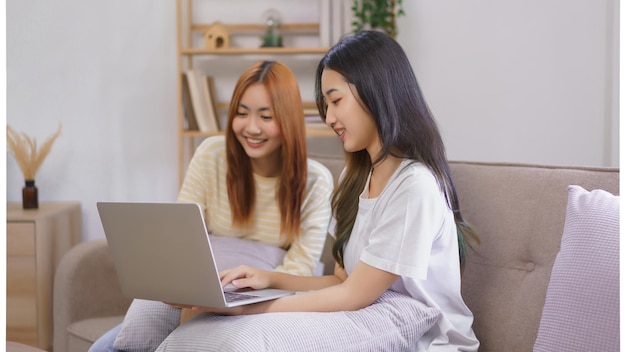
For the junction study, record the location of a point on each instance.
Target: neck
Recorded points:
(381, 173)
(265, 167)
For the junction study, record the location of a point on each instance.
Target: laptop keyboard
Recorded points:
(236, 296)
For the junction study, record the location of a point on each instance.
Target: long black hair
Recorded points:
(382, 75)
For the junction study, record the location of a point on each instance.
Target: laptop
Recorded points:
(162, 252)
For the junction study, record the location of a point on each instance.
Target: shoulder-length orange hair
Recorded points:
(287, 111)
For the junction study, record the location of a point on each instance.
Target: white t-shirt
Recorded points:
(409, 230)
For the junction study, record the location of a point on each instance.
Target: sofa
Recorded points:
(519, 211)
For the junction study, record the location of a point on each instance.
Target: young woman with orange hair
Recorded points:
(256, 183)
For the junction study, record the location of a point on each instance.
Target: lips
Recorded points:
(340, 133)
(255, 142)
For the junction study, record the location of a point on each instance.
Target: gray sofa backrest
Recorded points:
(519, 212)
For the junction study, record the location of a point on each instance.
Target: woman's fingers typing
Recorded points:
(244, 276)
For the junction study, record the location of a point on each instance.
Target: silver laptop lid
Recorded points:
(162, 252)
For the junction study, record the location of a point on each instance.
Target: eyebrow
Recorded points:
(264, 108)
(331, 90)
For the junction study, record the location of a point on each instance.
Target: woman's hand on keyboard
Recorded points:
(245, 276)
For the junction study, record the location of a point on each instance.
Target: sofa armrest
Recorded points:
(85, 286)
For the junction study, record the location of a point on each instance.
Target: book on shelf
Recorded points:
(188, 112)
(202, 101)
(213, 100)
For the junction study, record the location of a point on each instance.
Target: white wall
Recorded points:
(106, 71)
(517, 80)
(525, 81)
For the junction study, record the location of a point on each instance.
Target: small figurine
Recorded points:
(216, 37)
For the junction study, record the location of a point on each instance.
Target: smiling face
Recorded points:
(257, 131)
(345, 114)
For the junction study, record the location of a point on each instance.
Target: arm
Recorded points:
(245, 276)
(364, 285)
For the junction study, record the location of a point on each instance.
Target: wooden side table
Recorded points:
(37, 239)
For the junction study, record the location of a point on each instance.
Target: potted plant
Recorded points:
(377, 14)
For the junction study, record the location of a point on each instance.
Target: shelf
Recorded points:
(310, 109)
(319, 131)
(242, 51)
(312, 130)
(201, 134)
(285, 28)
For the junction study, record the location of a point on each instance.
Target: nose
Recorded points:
(253, 126)
(330, 118)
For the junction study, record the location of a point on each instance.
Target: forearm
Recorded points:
(302, 283)
(331, 299)
(357, 291)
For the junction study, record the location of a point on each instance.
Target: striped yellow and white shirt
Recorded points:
(205, 184)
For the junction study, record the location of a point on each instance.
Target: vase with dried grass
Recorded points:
(29, 158)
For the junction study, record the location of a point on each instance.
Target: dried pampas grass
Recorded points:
(25, 152)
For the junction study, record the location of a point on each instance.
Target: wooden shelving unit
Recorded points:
(187, 52)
